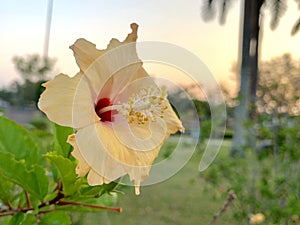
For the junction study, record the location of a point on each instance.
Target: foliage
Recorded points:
(26, 93)
(277, 89)
(276, 7)
(278, 92)
(33, 67)
(40, 187)
(210, 7)
(33, 70)
(185, 102)
(40, 123)
(178, 200)
(267, 181)
(253, 10)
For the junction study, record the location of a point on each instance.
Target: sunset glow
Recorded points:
(176, 22)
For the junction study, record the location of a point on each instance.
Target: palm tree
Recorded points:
(252, 14)
(296, 26)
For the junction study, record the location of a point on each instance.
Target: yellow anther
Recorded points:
(146, 105)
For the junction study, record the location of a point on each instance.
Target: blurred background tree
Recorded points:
(33, 67)
(33, 70)
(267, 181)
(252, 18)
(278, 92)
(277, 97)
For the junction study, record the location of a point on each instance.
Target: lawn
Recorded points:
(183, 199)
(266, 183)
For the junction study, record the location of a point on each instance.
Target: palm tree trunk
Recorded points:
(243, 138)
(254, 55)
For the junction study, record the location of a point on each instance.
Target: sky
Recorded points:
(179, 22)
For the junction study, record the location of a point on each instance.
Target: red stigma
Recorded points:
(105, 116)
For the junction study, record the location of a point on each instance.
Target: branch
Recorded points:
(56, 201)
(27, 199)
(8, 213)
(89, 206)
(8, 205)
(231, 197)
(15, 211)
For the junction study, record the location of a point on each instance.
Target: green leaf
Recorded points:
(5, 189)
(66, 169)
(23, 219)
(29, 219)
(55, 218)
(44, 143)
(61, 136)
(34, 181)
(16, 140)
(97, 191)
(17, 219)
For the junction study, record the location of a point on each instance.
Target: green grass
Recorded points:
(176, 201)
(265, 184)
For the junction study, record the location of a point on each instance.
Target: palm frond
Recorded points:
(298, 2)
(277, 8)
(296, 27)
(208, 10)
(224, 10)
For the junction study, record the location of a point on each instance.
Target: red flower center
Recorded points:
(106, 115)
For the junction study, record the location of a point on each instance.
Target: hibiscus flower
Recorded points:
(120, 116)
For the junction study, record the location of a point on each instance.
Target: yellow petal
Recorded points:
(96, 156)
(86, 53)
(94, 178)
(140, 137)
(127, 156)
(82, 167)
(109, 158)
(172, 121)
(117, 82)
(68, 101)
(110, 69)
